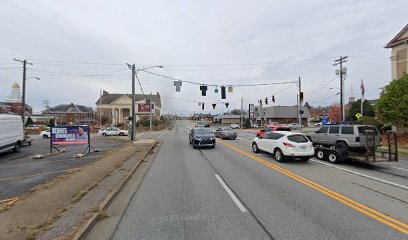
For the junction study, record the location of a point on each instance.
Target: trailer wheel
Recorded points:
(320, 154)
(333, 157)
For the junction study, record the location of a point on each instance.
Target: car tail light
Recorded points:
(287, 144)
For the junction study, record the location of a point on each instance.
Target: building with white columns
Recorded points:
(116, 108)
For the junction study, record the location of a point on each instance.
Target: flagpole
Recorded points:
(100, 110)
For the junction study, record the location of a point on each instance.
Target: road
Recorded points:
(230, 193)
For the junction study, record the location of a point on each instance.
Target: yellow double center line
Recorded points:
(391, 222)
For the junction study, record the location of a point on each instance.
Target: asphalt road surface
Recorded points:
(231, 193)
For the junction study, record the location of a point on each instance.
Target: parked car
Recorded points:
(11, 132)
(201, 137)
(295, 126)
(234, 126)
(254, 125)
(272, 124)
(112, 131)
(344, 137)
(200, 125)
(45, 133)
(318, 124)
(284, 145)
(225, 132)
(274, 129)
(27, 140)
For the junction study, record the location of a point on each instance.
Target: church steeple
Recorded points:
(15, 95)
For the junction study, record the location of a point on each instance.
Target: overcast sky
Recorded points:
(79, 46)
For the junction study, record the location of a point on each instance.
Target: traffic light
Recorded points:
(260, 102)
(223, 96)
(203, 90)
(226, 105)
(178, 84)
(202, 106)
(213, 105)
(216, 90)
(301, 96)
(266, 101)
(301, 112)
(273, 98)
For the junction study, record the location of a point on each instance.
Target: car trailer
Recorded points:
(368, 155)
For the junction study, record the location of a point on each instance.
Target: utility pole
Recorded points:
(341, 72)
(133, 68)
(150, 108)
(242, 112)
(299, 103)
(23, 106)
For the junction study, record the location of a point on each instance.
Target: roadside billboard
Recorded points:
(70, 135)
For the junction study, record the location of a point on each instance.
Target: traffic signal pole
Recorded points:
(300, 100)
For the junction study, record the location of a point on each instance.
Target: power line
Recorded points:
(216, 85)
(325, 85)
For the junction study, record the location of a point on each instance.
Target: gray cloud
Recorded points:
(229, 42)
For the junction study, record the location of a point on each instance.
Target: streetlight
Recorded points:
(134, 72)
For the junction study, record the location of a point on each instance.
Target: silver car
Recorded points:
(344, 137)
(225, 132)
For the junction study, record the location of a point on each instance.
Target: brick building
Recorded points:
(71, 114)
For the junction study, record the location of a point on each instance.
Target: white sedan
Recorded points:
(284, 145)
(234, 126)
(113, 132)
(45, 134)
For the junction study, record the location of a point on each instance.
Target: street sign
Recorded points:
(358, 115)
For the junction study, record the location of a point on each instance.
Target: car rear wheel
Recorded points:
(104, 134)
(17, 147)
(121, 134)
(279, 157)
(341, 147)
(255, 148)
(45, 136)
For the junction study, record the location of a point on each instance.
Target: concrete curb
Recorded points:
(85, 228)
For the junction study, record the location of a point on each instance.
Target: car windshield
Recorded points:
(298, 138)
(202, 131)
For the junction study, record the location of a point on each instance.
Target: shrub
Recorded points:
(366, 120)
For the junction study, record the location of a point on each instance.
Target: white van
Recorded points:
(11, 132)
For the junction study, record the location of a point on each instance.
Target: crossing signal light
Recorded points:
(223, 96)
(203, 90)
(273, 98)
(266, 101)
(226, 105)
(301, 96)
(213, 105)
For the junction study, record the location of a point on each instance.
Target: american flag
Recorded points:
(362, 87)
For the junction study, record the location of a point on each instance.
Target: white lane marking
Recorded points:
(232, 195)
(400, 168)
(361, 174)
